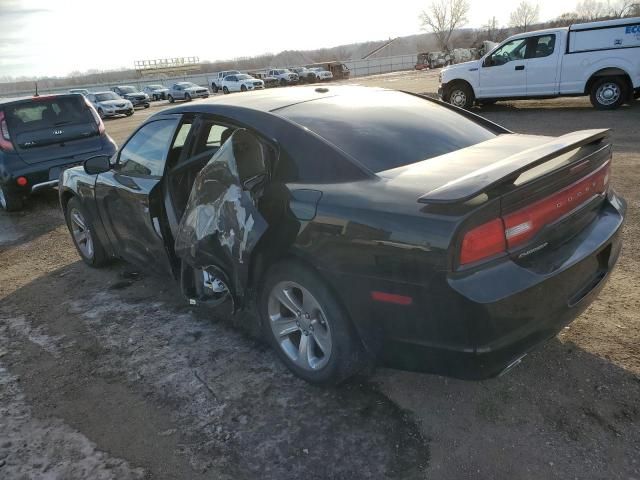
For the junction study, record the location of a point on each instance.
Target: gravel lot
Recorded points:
(107, 374)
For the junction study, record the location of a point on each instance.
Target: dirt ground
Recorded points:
(107, 374)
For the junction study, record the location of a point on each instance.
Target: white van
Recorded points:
(599, 59)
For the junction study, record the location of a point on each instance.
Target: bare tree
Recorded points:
(525, 15)
(592, 9)
(621, 8)
(491, 29)
(442, 17)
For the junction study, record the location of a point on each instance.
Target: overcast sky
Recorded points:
(55, 37)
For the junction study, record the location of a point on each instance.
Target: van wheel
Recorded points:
(306, 325)
(171, 100)
(460, 95)
(10, 202)
(608, 93)
(81, 228)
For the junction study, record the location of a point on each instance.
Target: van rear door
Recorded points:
(49, 128)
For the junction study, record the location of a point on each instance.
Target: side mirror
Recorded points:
(487, 62)
(98, 164)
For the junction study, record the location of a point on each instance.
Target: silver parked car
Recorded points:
(110, 104)
(186, 91)
(156, 92)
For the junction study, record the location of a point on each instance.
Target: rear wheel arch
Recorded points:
(609, 72)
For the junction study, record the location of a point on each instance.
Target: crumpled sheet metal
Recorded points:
(221, 224)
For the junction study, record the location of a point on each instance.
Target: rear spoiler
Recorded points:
(508, 170)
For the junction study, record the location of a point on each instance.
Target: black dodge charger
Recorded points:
(366, 225)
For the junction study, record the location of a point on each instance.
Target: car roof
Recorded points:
(269, 100)
(7, 100)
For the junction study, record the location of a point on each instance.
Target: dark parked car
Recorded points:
(40, 137)
(367, 224)
(136, 97)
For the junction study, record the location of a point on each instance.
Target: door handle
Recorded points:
(519, 67)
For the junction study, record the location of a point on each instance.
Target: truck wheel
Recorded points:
(214, 87)
(171, 100)
(460, 95)
(608, 93)
(10, 202)
(307, 326)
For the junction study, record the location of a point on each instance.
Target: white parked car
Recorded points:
(186, 91)
(241, 83)
(321, 74)
(110, 104)
(599, 59)
(216, 84)
(284, 76)
(156, 92)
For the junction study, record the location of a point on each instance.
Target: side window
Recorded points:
(509, 52)
(211, 137)
(145, 153)
(541, 46)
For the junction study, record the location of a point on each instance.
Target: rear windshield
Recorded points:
(387, 129)
(45, 113)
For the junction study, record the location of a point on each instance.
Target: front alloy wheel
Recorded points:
(81, 233)
(300, 326)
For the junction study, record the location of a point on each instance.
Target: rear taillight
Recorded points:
(517, 228)
(96, 116)
(5, 137)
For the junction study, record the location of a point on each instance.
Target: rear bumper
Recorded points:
(45, 174)
(475, 326)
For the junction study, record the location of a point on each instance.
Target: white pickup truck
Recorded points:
(599, 59)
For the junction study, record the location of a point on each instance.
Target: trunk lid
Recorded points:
(62, 123)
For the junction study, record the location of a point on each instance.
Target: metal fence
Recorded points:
(358, 68)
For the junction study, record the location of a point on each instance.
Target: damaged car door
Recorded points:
(129, 198)
(221, 224)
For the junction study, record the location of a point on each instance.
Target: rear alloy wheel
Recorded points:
(80, 227)
(225, 90)
(608, 93)
(307, 326)
(171, 100)
(10, 202)
(461, 96)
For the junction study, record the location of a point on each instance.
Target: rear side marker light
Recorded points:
(516, 229)
(22, 181)
(391, 298)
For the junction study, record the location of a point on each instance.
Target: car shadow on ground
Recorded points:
(117, 346)
(123, 359)
(40, 215)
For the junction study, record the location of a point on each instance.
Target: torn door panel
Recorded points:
(221, 225)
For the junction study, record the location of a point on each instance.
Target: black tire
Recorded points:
(146, 105)
(283, 82)
(10, 201)
(130, 112)
(101, 113)
(605, 86)
(347, 356)
(460, 95)
(243, 88)
(187, 97)
(155, 97)
(99, 256)
(225, 90)
(214, 87)
(171, 99)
